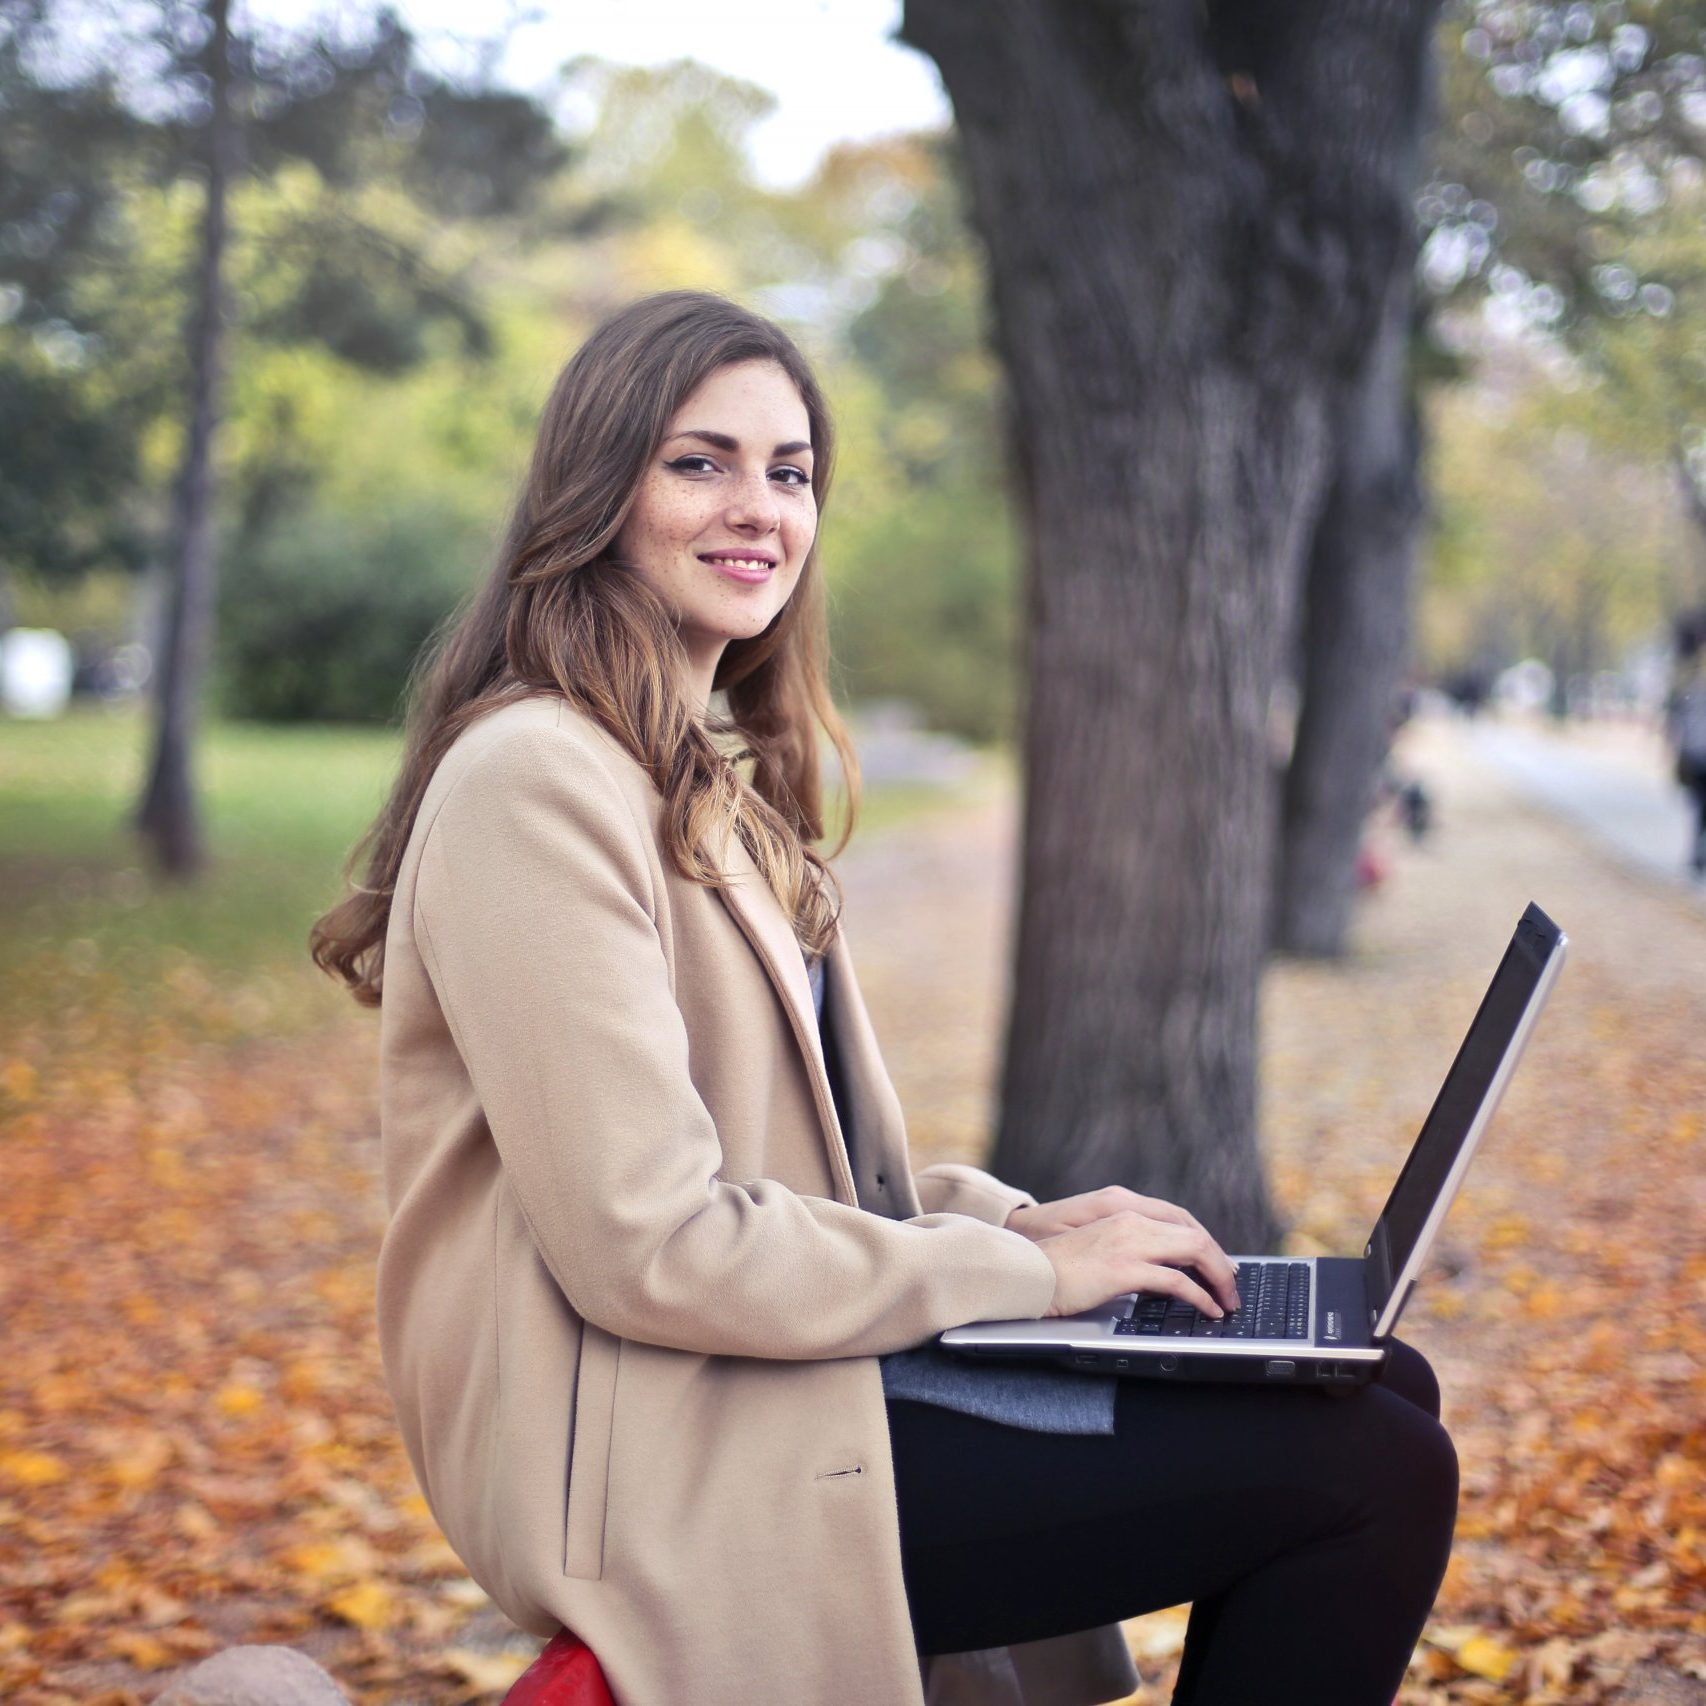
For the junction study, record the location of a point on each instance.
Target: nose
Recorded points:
(753, 506)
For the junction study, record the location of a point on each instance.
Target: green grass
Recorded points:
(83, 919)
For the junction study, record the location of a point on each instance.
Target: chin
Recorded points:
(750, 630)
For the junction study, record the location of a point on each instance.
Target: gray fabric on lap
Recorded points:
(1041, 1398)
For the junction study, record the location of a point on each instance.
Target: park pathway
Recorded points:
(1612, 779)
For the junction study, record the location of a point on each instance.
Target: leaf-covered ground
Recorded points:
(195, 1443)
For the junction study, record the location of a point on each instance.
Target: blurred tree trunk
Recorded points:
(1354, 638)
(1190, 227)
(168, 818)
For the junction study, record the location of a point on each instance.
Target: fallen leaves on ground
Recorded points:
(196, 1447)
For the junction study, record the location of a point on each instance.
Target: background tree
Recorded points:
(1564, 206)
(1354, 627)
(69, 419)
(1553, 538)
(208, 108)
(1181, 276)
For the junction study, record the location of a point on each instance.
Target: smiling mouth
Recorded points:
(741, 568)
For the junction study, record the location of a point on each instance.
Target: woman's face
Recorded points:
(725, 513)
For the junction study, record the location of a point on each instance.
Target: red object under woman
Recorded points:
(565, 1674)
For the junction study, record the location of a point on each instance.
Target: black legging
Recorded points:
(1309, 1532)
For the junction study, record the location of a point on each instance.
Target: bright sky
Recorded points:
(830, 63)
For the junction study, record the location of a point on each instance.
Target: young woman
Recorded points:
(657, 1271)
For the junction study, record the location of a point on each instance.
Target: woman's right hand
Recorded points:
(1131, 1251)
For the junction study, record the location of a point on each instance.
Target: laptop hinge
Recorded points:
(1377, 1271)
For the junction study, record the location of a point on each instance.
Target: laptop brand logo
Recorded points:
(1333, 1329)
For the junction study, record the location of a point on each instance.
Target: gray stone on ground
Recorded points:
(254, 1676)
(1656, 1684)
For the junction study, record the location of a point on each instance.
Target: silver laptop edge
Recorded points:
(1387, 1319)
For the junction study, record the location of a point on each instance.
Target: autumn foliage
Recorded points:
(196, 1447)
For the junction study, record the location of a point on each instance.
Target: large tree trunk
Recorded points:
(1190, 234)
(1355, 636)
(167, 818)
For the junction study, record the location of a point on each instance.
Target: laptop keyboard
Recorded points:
(1275, 1297)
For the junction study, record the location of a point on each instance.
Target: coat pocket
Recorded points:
(589, 1453)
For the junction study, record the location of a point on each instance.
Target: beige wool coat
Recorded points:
(631, 1294)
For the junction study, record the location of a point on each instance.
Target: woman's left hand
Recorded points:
(1045, 1219)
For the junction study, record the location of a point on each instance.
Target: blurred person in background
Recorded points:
(659, 1290)
(1685, 723)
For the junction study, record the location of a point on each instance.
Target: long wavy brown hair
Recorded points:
(560, 613)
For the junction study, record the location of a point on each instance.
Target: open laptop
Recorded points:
(1317, 1320)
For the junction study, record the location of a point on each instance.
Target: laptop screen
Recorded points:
(1461, 1110)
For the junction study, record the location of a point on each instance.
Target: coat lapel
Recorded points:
(756, 910)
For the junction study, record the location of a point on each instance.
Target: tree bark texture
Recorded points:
(1355, 638)
(168, 818)
(1188, 250)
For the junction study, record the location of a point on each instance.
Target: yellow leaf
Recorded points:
(80, 1608)
(140, 1309)
(32, 1468)
(194, 1523)
(18, 1080)
(490, 1673)
(1508, 1232)
(343, 1560)
(1156, 1635)
(1450, 1636)
(368, 1605)
(1481, 1655)
(146, 1652)
(238, 1400)
(141, 1460)
(469, 1595)
(434, 1558)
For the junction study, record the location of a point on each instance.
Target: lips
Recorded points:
(749, 566)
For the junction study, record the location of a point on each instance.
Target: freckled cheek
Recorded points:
(800, 537)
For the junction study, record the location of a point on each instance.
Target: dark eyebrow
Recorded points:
(722, 441)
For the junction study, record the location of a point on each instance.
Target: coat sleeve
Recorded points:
(951, 1187)
(535, 917)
